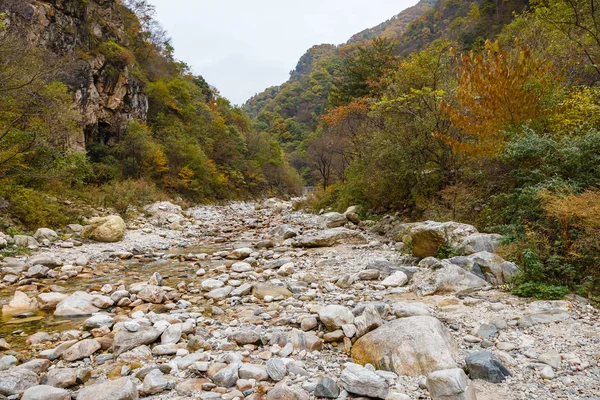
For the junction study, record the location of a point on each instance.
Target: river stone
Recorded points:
(240, 254)
(125, 340)
(211, 284)
(47, 260)
(496, 270)
(334, 316)
(241, 266)
(299, 340)
(253, 371)
(45, 392)
(332, 220)
(105, 229)
(15, 381)
(98, 321)
(478, 242)
(7, 362)
(484, 365)
(359, 380)
(82, 349)
(45, 233)
(219, 293)
(62, 377)
(74, 229)
(283, 231)
(261, 290)
(327, 388)
(276, 369)
(403, 310)
(329, 237)
(25, 241)
(77, 304)
(427, 237)
(53, 354)
(118, 389)
(552, 358)
(450, 384)
(242, 290)
(152, 294)
(37, 271)
(407, 346)
(445, 277)
(228, 376)
(154, 382)
(20, 303)
(284, 392)
(246, 336)
(369, 320)
(49, 301)
(172, 334)
(396, 279)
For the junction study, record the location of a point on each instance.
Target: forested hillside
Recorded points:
(483, 112)
(329, 75)
(95, 107)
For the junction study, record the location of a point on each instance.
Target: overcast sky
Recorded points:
(244, 46)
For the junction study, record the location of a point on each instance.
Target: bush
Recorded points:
(541, 291)
(124, 194)
(30, 209)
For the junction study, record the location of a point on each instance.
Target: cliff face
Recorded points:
(107, 98)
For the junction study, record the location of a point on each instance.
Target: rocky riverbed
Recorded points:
(253, 301)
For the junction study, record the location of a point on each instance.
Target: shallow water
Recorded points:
(17, 330)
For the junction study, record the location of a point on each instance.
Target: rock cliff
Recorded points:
(106, 97)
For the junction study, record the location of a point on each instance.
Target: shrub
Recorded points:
(541, 291)
(31, 209)
(124, 194)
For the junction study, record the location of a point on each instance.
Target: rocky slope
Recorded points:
(106, 97)
(257, 301)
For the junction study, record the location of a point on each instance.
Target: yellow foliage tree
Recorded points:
(498, 91)
(574, 211)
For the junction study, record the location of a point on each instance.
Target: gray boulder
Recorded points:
(25, 241)
(479, 242)
(426, 237)
(283, 232)
(358, 380)
(450, 384)
(329, 237)
(105, 229)
(484, 365)
(15, 381)
(44, 392)
(407, 346)
(445, 277)
(118, 389)
(332, 220)
(335, 316)
(45, 233)
(125, 340)
(495, 269)
(77, 304)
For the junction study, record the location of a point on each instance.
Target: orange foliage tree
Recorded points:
(498, 92)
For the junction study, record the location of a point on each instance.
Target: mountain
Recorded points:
(292, 111)
(395, 26)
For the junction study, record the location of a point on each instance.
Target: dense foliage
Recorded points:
(194, 143)
(482, 112)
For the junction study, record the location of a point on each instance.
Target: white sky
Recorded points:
(244, 46)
